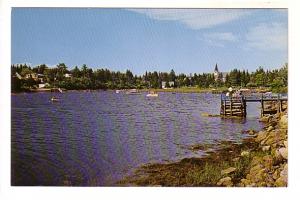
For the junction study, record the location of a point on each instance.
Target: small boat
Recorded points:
(152, 94)
(132, 91)
(54, 99)
(118, 91)
(60, 90)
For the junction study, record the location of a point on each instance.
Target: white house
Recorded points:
(43, 85)
(35, 76)
(163, 84)
(68, 75)
(31, 75)
(40, 77)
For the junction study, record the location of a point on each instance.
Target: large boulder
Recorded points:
(283, 122)
(268, 161)
(283, 152)
(280, 182)
(274, 138)
(261, 136)
(278, 157)
(265, 148)
(271, 139)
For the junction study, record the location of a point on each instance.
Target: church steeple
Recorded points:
(216, 68)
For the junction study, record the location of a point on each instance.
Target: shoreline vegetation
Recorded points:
(25, 78)
(259, 161)
(173, 90)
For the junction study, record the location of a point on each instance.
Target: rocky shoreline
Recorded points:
(270, 168)
(259, 161)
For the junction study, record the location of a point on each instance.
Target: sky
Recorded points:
(186, 40)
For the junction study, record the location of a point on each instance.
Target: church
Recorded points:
(219, 75)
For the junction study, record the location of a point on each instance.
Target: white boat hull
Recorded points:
(152, 95)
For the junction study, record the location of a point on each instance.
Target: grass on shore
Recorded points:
(197, 171)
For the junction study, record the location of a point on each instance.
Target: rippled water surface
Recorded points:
(96, 138)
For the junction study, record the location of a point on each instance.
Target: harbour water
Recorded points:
(96, 138)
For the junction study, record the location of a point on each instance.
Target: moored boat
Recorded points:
(152, 94)
(54, 99)
(132, 91)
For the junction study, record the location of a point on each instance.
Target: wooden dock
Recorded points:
(237, 106)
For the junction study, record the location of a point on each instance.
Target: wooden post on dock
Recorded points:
(262, 105)
(225, 107)
(222, 106)
(237, 106)
(230, 106)
(278, 104)
(244, 106)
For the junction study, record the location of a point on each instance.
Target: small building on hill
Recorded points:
(219, 75)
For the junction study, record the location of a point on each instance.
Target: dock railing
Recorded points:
(235, 105)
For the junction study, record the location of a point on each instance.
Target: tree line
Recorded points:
(87, 78)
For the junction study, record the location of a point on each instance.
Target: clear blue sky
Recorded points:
(186, 40)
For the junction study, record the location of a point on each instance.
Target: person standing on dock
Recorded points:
(229, 93)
